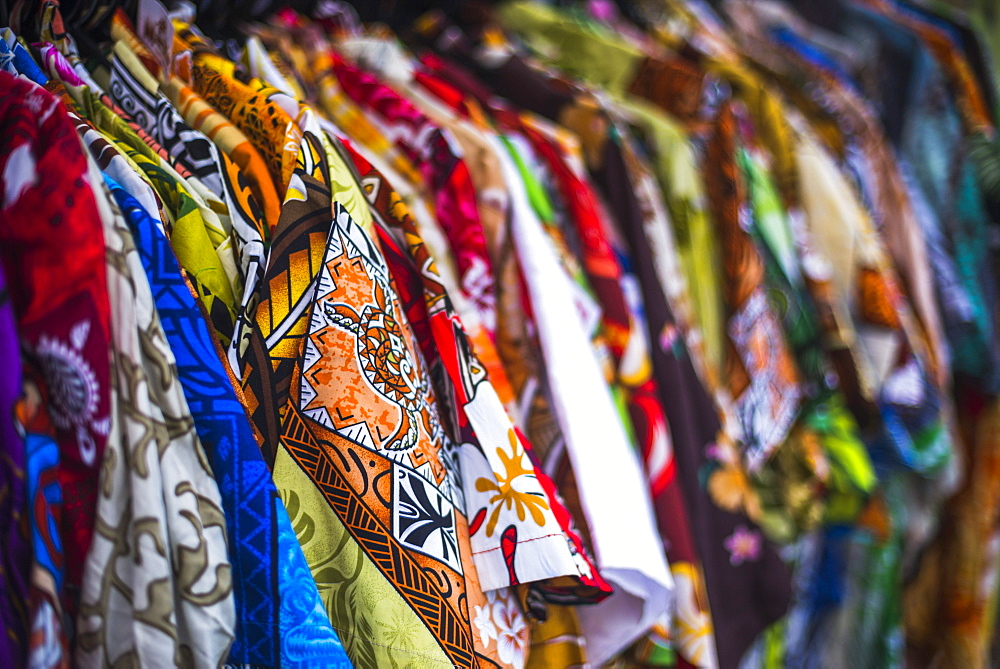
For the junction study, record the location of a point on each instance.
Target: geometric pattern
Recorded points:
(321, 454)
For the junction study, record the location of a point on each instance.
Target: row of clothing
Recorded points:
(528, 336)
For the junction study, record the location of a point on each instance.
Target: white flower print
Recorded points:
(487, 630)
(512, 633)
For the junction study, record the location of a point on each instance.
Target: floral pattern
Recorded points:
(744, 545)
(505, 490)
(502, 622)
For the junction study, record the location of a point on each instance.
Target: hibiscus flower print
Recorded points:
(744, 545)
(512, 632)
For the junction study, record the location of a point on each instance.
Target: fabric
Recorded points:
(874, 549)
(575, 336)
(416, 440)
(318, 63)
(166, 493)
(691, 631)
(747, 585)
(870, 291)
(557, 641)
(712, 530)
(133, 85)
(15, 558)
(933, 119)
(484, 170)
(356, 546)
(866, 150)
(969, 97)
(602, 57)
(268, 127)
(623, 316)
(760, 373)
(700, 305)
(55, 275)
(517, 345)
(639, 571)
(289, 273)
(241, 226)
(445, 174)
(189, 214)
(948, 619)
(50, 641)
(844, 467)
(45, 606)
(584, 585)
(133, 88)
(529, 551)
(118, 165)
(280, 620)
(259, 185)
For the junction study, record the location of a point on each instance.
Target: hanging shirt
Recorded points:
(635, 566)
(445, 174)
(690, 630)
(747, 585)
(136, 89)
(289, 626)
(162, 544)
(530, 550)
(60, 299)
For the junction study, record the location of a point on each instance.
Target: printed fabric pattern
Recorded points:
(60, 300)
(760, 372)
(498, 482)
(381, 600)
(280, 618)
(158, 581)
(444, 173)
(365, 391)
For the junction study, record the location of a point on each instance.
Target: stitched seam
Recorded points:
(519, 542)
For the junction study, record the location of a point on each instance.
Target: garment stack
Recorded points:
(646, 334)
